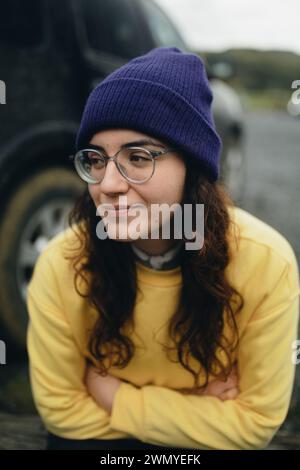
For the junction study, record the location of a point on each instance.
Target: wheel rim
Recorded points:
(47, 222)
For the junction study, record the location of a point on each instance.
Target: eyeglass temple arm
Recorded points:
(163, 152)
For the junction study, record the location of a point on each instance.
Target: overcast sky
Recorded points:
(219, 24)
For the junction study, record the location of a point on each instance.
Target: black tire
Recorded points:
(23, 231)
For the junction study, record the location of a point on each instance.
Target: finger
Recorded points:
(231, 381)
(219, 386)
(230, 394)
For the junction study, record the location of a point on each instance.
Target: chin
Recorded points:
(122, 230)
(120, 234)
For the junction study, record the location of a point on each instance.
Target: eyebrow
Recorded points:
(131, 144)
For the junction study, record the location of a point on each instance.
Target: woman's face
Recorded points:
(165, 186)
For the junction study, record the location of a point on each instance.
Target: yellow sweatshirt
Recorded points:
(147, 405)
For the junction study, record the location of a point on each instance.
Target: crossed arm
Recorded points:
(75, 404)
(103, 389)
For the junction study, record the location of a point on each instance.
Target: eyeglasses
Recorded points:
(136, 164)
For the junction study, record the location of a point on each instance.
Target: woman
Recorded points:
(142, 341)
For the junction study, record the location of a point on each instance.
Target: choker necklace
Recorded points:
(170, 259)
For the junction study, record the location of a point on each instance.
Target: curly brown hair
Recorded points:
(197, 327)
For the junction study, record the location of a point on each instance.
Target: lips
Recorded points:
(117, 210)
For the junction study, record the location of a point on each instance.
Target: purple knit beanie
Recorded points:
(165, 94)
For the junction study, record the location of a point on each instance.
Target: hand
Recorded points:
(223, 390)
(102, 389)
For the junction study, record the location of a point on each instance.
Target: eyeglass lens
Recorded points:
(134, 163)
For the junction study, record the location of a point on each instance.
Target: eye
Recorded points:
(155, 153)
(95, 159)
(137, 158)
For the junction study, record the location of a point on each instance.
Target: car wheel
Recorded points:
(37, 211)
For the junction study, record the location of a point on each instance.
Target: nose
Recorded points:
(113, 181)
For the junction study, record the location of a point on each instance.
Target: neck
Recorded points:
(167, 260)
(155, 247)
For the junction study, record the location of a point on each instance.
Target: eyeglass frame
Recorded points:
(153, 154)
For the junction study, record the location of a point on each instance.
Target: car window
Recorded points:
(163, 31)
(112, 27)
(21, 23)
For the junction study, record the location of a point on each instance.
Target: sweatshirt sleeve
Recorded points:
(166, 417)
(56, 365)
